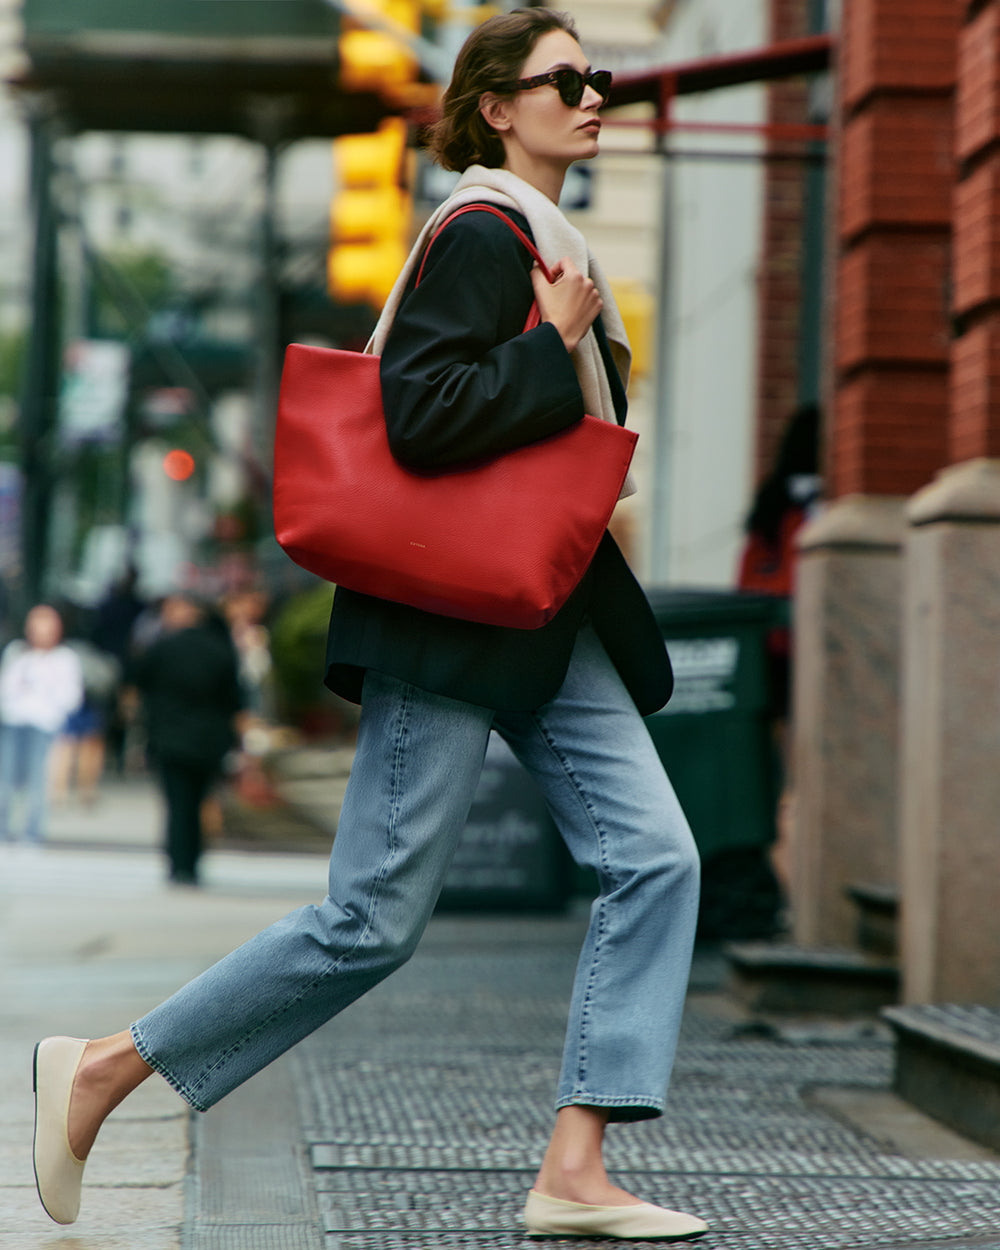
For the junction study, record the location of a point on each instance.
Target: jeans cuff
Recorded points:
(168, 1076)
(621, 1110)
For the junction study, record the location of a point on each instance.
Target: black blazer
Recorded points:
(460, 381)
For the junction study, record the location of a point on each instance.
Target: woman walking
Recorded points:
(41, 683)
(462, 382)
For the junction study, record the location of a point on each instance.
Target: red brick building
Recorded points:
(974, 417)
(912, 337)
(898, 599)
(896, 174)
(782, 273)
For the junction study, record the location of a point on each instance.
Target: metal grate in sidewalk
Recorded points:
(794, 1213)
(427, 1106)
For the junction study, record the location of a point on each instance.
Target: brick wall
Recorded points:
(974, 428)
(779, 289)
(892, 322)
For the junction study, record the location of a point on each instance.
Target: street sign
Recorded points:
(94, 391)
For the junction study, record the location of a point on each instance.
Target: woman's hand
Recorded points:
(570, 302)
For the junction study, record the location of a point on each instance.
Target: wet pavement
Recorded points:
(416, 1119)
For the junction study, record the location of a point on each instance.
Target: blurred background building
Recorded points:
(167, 244)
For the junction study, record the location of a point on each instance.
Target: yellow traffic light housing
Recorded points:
(638, 312)
(374, 159)
(369, 216)
(375, 59)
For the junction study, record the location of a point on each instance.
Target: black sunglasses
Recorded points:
(570, 83)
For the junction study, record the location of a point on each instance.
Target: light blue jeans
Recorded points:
(418, 762)
(24, 762)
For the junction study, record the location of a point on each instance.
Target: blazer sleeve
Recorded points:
(460, 380)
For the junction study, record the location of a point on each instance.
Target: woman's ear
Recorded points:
(495, 111)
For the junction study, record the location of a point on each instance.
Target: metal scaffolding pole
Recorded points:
(39, 396)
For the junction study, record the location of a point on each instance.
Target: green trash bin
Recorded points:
(510, 856)
(716, 742)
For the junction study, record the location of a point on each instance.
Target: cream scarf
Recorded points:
(555, 238)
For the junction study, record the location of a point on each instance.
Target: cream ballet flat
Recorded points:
(554, 1217)
(58, 1172)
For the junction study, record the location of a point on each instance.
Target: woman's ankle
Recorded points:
(109, 1070)
(576, 1174)
(573, 1167)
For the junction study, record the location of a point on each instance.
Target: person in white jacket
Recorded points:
(41, 683)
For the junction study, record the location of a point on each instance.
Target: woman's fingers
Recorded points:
(555, 270)
(570, 302)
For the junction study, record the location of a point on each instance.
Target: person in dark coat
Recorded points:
(462, 381)
(117, 614)
(189, 683)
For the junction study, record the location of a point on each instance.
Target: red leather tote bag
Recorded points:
(503, 542)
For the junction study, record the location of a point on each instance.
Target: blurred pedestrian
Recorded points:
(80, 750)
(783, 503)
(460, 382)
(245, 611)
(116, 615)
(189, 685)
(41, 683)
(147, 627)
(114, 624)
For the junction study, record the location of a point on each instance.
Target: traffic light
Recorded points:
(638, 312)
(369, 215)
(374, 59)
(178, 464)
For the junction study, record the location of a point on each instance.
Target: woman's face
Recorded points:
(43, 627)
(179, 613)
(536, 125)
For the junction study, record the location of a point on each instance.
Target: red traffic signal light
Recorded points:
(178, 464)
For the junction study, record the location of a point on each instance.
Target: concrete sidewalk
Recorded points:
(91, 936)
(416, 1118)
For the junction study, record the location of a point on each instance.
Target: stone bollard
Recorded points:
(847, 625)
(950, 757)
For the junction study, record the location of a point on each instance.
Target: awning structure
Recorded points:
(779, 60)
(662, 85)
(193, 66)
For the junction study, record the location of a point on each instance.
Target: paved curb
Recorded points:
(91, 936)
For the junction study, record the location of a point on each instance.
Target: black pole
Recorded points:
(39, 394)
(268, 315)
(270, 120)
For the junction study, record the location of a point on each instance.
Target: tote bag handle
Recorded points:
(534, 316)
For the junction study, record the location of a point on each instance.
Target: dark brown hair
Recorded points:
(491, 57)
